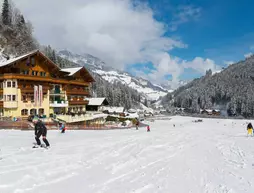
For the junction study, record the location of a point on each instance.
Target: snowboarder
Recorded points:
(137, 124)
(148, 128)
(249, 130)
(62, 127)
(40, 130)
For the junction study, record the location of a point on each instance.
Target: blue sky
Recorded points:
(222, 31)
(158, 40)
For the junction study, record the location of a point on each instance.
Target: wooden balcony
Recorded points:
(78, 102)
(42, 79)
(31, 90)
(1, 91)
(1, 104)
(78, 92)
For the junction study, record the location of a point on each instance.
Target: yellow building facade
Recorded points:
(33, 85)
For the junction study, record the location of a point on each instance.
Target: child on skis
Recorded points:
(249, 130)
(62, 127)
(40, 130)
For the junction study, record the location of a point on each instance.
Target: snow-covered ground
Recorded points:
(207, 157)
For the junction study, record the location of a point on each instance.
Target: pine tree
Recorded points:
(146, 103)
(21, 22)
(6, 14)
(54, 57)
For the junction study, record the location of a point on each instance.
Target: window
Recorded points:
(23, 97)
(8, 97)
(43, 73)
(33, 61)
(23, 86)
(26, 72)
(13, 97)
(8, 84)
(13, 84)
(35, 73)
(28, 62)
(24, 112)
(32, 97)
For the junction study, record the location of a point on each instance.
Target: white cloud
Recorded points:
(184, 14)
(117, 31)
(247, 55)
(175, 66)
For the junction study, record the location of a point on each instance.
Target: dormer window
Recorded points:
(28, 62)
(32, 61)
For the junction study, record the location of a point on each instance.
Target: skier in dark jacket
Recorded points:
(40, 130)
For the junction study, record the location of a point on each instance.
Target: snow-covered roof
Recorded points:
(114, 109)
(71, 70)
(96, 101)
(132, 111)
(7, 62)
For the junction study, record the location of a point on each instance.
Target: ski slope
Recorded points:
(213, 156)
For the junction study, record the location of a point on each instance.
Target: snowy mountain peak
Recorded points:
(83, 60)
(150, 91)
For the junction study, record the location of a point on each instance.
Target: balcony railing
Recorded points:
(78, 102)
(59, 104)
(41, 78)
(10, 104)
(77, 92)
(56, 92)
(31, 89)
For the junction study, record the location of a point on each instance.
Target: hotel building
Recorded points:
(34, 85)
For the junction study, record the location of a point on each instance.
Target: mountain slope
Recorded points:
(150, 91)
(231, 90)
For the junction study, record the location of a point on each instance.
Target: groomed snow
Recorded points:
(207, 157)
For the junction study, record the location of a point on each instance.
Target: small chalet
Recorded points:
(96, 104)
(216, 112)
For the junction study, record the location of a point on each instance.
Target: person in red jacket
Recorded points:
(148, 128)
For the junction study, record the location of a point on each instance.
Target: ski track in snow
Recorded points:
(213, 156)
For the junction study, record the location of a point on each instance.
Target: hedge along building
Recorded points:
(34, 85)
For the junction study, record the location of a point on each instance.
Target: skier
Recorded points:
(40, 130)
(249, 130)
(62, 127)
(148, 128)
(137, 124)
